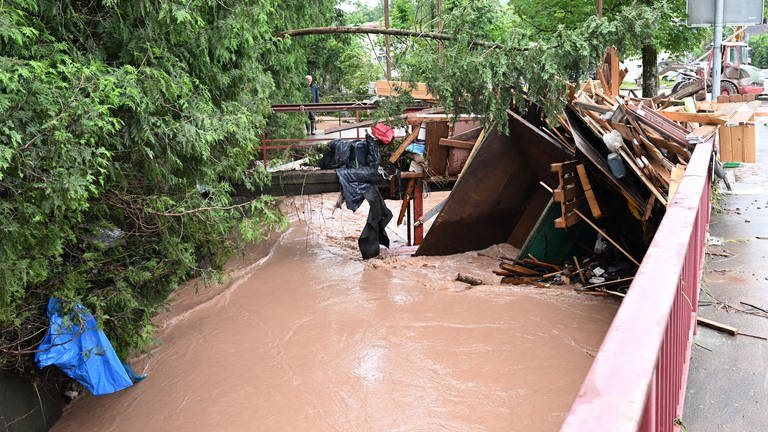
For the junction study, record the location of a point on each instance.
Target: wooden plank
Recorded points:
(728, 108)
(717, 326)
(394, 88)
(615, 80)
(408, 194)
(624, 153)
(735, 98)
(726, 150)
(448, 142)
(518, 269)
(749, 150)
(579, 203)
(702, 118)
(740, 117)
(594, 207)
(676, 176)
(406, 142)
(568, 193)
(436, 155)
(470, 135)
(474, 150)
(701, 133)
(723, 99)
(707, 106)
(567, 221)
(649, 207)
(737, 142)
(604, 83)
(568, 167)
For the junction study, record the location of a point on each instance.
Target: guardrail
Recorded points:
(638, 378)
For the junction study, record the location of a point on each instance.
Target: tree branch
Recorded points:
(201, 209)
(391, 32)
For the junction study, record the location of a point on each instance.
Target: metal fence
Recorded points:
(638, 378)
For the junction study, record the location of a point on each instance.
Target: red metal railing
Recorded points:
(292, 143)
(637, 381)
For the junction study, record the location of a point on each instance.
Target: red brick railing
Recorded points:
(638, 378)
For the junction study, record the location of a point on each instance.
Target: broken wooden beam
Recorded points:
(404, 145)
(448, 142)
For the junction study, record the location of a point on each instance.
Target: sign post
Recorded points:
(717, 58)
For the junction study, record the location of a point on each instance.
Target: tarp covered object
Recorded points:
(356, 164)
(76, 346)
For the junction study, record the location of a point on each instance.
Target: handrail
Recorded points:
(637, 380)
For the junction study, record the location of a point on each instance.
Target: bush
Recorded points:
(125, 126)
(759, 45)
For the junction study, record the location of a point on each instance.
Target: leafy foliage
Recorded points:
(538, 64)
(125, 126)
(549, 43)
(759, 46)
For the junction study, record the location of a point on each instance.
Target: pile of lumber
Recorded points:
(657, 135)
(591, 274)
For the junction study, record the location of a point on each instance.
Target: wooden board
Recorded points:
(676, 176)
(726, 150)
(406, 142)
(749, 150)
(448, 142)
(614, 71)
(437, 155)
(393, 88)
(702, 118)
(737, 143)
(594, 207)
(740, 117)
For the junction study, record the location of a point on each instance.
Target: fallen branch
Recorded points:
(201, 209)
(391, 32)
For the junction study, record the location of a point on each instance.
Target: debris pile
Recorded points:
(591, 274)
(627, 158)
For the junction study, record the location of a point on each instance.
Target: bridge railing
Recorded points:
(638, 378)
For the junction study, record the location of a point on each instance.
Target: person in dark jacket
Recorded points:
(314, 98)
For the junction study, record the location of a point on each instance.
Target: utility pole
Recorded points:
(386, 40)
(717, 51)
(599, 8)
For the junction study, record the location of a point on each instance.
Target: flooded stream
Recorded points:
(308, 337)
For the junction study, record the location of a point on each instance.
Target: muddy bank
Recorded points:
(313, 338)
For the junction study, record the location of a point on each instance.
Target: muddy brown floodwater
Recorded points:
(311, 338)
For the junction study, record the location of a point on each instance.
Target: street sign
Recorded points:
(701, 13)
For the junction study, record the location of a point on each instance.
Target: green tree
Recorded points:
(125, 127)
(668, 32)
(759, 46)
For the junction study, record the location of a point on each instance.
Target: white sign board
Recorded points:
(701, 13)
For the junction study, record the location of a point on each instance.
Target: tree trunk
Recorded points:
(650, 71)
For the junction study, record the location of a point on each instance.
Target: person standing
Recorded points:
(314, 98)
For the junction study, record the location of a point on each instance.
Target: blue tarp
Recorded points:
(83, 353)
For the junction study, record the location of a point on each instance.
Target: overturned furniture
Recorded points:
(498, 197)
